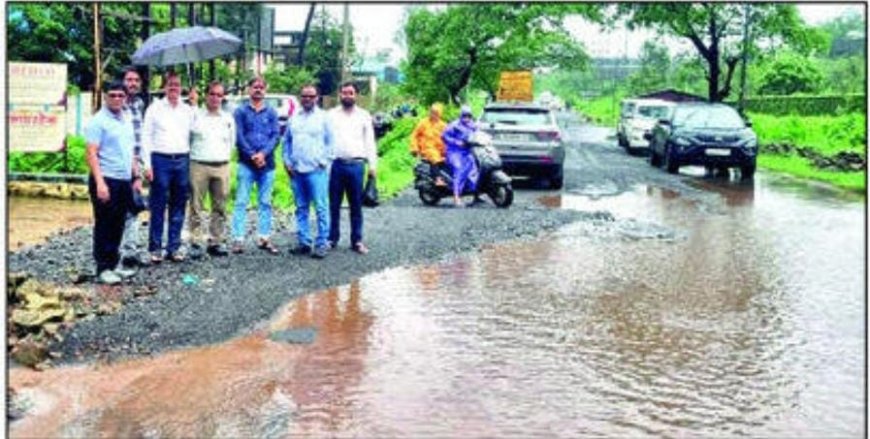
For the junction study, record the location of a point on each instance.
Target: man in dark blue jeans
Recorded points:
(354, 147)
(166, 153)
(110, 140)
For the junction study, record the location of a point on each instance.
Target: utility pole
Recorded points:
(212, 21)
(191, 67)
(146, 32)
(97, 68)
(172, 13)
(746, 17)
(345, 70)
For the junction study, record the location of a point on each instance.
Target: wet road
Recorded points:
(693, 306)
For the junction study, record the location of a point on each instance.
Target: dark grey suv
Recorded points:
(527, 138)
(711, 135)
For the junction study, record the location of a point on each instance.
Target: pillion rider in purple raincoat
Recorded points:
(465, 171)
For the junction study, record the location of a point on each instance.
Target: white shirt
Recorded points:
(354, 134)
(166, 129)
(214, 136)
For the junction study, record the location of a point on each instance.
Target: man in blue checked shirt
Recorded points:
(308, 145)
(256, 139)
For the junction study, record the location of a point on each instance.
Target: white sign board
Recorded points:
(35, 114)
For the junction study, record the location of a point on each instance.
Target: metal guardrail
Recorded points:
(48, 178)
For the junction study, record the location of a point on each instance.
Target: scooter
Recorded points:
(494, 182)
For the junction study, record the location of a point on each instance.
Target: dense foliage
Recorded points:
(714, 29)
(466, 45)
(790, 73)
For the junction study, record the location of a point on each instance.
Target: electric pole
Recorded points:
(746, 18)
(97, 68)
(345, 70)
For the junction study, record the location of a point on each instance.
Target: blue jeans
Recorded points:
(246, 177)
(307, 188)
(346, 178)
(171, 184)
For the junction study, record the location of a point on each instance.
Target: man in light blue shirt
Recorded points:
(308, 151)
(110, 141)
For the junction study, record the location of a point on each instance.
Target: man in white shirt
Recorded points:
(214, 136)
(166, 153)
(354, 147)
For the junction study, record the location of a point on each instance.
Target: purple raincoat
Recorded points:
(459, 156)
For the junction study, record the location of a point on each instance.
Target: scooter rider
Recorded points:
(426, 142)
(460, 157)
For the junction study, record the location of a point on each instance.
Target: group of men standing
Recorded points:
(185, 152)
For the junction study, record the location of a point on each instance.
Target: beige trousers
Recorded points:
(213, 180)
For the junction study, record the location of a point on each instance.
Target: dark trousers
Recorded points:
(109, 218)
(346, 178)
(171, 185)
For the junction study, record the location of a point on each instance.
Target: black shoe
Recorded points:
(301, 250)
(319, 253)
(132, 261)
(196, 252)
(218, 250)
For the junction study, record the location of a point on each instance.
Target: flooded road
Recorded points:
(31, 220)
(743, 314)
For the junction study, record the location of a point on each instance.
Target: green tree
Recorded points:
(323, 51)
(470, 44)
(287, 79)
(63, 33)
(716, 29)
(790, 73)
(655, 63)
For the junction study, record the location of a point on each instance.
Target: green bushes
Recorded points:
(52, 162)
(826, 134)
(806, 105)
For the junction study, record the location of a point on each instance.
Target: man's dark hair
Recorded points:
(255, 79)
(128, 69)
(213, 84)
(115, 85)
(309, 86)
(351, 85)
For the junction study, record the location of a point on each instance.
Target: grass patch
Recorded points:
(827, 135)
(801, 167)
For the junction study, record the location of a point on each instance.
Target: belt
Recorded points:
(199, 162)
(351, 160)
(171, 156)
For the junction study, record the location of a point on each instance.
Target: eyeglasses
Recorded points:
(219, 95)
(309, 96)
(116, 95)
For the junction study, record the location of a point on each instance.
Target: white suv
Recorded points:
(636, 118)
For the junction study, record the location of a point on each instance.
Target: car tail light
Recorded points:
(548, 135)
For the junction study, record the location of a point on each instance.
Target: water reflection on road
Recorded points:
(741, 314)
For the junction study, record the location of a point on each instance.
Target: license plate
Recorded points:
(718, 152)
(514, 137)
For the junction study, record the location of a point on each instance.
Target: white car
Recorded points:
(638, 117)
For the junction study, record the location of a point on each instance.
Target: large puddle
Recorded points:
(672, 318)
(32, 220)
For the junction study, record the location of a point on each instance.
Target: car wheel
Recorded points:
(654, 158)
(671, 164)
(428, 198)
(747, 171)
(557, 180)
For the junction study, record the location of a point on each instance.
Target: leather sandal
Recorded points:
(267, 245)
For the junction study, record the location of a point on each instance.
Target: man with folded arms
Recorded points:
(214, 135)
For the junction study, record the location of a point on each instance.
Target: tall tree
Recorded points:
(655, 63)
(469, 44)
(715, 30)
(323, 51)
(63, 33)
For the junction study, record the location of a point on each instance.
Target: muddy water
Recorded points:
(737, 314)
(31, 220)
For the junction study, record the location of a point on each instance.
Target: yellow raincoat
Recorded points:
(426, 138)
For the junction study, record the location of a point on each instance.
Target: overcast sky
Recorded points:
(375, 26)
